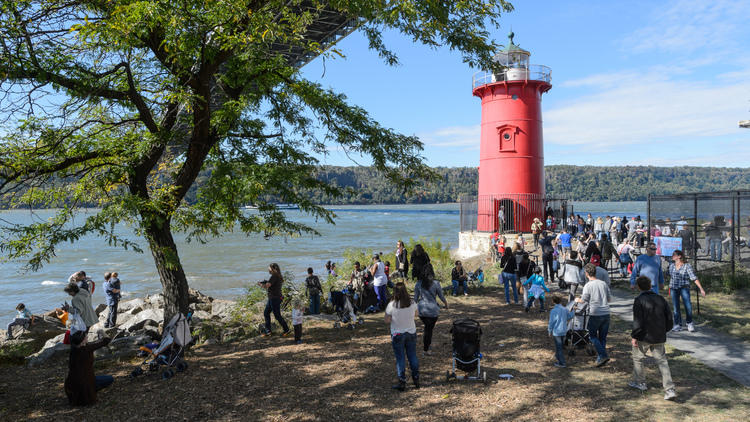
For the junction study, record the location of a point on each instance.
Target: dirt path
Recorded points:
(341, 375)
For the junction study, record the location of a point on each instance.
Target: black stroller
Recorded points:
(346, 312)
(577, 336)
(466, 334)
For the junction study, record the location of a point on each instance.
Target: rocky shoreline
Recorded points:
(139, 321)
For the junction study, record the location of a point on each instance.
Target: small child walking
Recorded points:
(558, 327)
(536, 289)
(298, 310)
(23, 318)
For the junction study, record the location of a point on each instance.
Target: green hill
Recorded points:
(582, 183)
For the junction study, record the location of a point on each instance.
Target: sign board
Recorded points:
(665, 246)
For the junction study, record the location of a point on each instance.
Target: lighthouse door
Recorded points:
(505, 211)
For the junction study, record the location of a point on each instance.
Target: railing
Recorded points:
(535, 72)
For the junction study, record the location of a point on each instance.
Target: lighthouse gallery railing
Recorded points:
(535, 72)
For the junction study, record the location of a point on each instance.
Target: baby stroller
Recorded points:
(170, 351)
(577, 336)
(466, 334)
(345, 310)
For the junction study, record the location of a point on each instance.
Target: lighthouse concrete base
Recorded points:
(472, 243)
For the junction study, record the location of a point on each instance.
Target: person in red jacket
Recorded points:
(652, 319)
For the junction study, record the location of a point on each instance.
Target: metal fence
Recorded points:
(518, 211)
(710, 227)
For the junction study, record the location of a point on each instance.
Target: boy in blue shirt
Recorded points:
(558, 327)
(23, 318)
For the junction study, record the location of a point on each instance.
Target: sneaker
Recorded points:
(266, 333)
(559, 365)
(691, 327)
(677, 328)
(286, 333)
(638, 385)
(428, 352)
(600, 362)
(670, 394)
(466, 294)
(526, 309)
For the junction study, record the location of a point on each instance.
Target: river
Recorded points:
(224, 267)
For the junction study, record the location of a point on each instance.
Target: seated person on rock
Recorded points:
(23, 318)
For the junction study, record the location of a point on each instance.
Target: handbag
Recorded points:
(401, 266)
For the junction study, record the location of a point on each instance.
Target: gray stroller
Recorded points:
(169, 351)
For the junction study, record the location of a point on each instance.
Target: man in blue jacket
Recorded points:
(651, 321)
(648, 265)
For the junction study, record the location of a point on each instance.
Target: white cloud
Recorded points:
(452, 136)
(648, 110)
(689, 26)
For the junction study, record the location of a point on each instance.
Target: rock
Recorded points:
(133, 342)
(27, 341)
(55, 351)
(222, 308)
(129, 305)
(100, 310)
(200, 316)
(205, 307)
(210, 341)
(156, 301)
(139, 321)
(194, 296)
(136, 310)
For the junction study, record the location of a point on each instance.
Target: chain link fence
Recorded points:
(710, 227)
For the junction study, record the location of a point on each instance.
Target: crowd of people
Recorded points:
(578, 255)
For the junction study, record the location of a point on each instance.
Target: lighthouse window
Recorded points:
(514, 96)
(506, 136)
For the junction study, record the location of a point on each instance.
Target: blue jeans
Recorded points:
(715, 246)
(462, 284)
(314, 304)
(103, 381)
(380, 292)
(598, 329)
(274, 305)
(405, 342)
(509, 280)
(685, 293)
(559, 341)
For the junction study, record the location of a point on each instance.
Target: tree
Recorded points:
(122, 103)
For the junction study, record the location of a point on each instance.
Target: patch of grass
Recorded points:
(726, 312)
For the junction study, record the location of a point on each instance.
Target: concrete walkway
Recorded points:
(717, 350)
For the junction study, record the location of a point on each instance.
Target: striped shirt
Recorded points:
(682, 277)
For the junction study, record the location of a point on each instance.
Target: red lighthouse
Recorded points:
(511, 163)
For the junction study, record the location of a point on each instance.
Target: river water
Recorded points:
(225, 266)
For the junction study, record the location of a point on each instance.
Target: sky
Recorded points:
(659, 83)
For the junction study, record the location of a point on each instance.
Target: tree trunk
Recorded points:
(173, 280)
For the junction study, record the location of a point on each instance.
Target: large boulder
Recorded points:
(221, 308)
(53, 349)
(155, 301)
(138, 321)
(131, 306)
(30, 339)
(100, 308)
(194, 296)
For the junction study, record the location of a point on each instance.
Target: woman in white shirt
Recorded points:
(400, 314)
